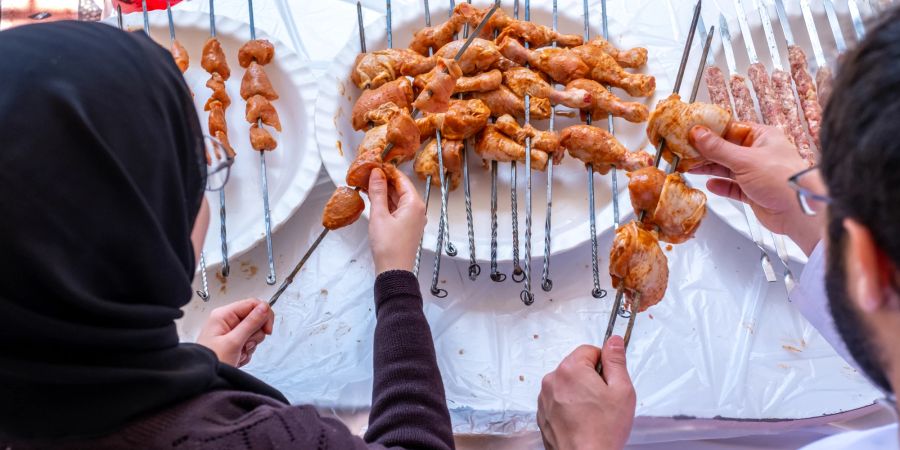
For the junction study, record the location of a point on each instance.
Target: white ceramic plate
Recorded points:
(292, 168)
(338, 141)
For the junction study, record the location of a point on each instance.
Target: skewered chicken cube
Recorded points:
(222, 137)
(536, 35)
(343, 208)
(600, 149)
(260, 51)
(213, 59)
(426, 163)
(260, 109)
(435, 97)
(437, 36)
(603, 102)
(482, 82)
(180, 55)
(217, 84)
(260, 139)
(463, 119)
(545, 141)
(493, 145)
(680, 210)
(216, 120)
(673, 119)
(371, 70)
(606, 70)
(480, 56)
(398, 92)
(256, 82)
(638, 266)
(644, 187)
(633, 58)
(504, 101)
(560, 64)
(523, 81)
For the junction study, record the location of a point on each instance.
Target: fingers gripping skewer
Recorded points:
(635, 300)
(474, 268)
(546, 282)
(597, 291)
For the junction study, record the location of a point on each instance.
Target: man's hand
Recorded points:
(580, 410)
(234, 331)
(396, 222)
(755, 171)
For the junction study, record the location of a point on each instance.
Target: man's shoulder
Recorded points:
(882, 438)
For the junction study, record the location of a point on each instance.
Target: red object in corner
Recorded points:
(129, 6)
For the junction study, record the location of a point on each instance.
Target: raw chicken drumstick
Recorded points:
(482, 82)
(606, 70)
(504, 101)
(536, 35)
(493, 145)
(462, 120)
(633, 58)
(481, 55)
(673, 207)
(545, 141)
(437, 36)
(435, 97)
(524, 81)
(601, 149)
(638, 266)
(393, 125)
(426, 163)
(603, 102)
(371, 70)
(398, 92)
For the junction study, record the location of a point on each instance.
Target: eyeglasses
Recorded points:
(811, 191)
(219, 158)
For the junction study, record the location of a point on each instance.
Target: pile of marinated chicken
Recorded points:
(508, 60)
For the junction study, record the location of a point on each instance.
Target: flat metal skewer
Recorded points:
(835, 24)
(611, 128)
(597, 291)
(856, 18)
(636, 301)
(546, 282)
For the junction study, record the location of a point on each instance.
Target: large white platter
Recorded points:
(292, 168)
(338, 141)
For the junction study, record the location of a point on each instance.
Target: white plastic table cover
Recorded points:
(725, 354)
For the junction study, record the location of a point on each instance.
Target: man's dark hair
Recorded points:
(861, 165)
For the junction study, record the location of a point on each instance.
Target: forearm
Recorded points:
(409, 409)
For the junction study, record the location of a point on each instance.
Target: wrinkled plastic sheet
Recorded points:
(724, 354)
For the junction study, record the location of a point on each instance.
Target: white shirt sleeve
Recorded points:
(810, 298)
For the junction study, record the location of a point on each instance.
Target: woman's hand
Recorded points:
(396, 222)
(755, 171)
(234, 331)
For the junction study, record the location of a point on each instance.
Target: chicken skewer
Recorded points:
(526, 295)
(636, 301)
(270, 276)
(783, 91)
(474, 267)
(824, 78)
(610, 126)
(596, 291)
(223, 234)
(803, 81)
(823, 72)
(744, 111)
(546, 282)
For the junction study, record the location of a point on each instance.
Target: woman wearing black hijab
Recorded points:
(102, 175)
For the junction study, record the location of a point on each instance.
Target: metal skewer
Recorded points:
(146, 17)
(264, 185)
(611, 127)
(474, 268)
(496, 275)
(810, 22)
(526, 295)
(518, 275)
(223, 232)
(636, 301)
(835, 24)
(856, 18)
(546, 282)
(597, 291)
(118, 16)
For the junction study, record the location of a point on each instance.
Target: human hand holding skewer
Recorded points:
(396, 221)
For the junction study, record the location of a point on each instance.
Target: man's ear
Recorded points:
(870, 273)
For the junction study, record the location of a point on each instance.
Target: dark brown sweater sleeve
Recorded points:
(409, 409)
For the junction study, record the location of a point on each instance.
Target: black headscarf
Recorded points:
(101, 178)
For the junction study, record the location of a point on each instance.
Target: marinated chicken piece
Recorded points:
(260, 139)
(673, 119)
(560, 64)
(535, 34)
(213, 59)
(180, 55)
(260, 109)
(504, 101)
(343, 208)
(401, 131)
(398, 92)
(260, 51)
(606, 70)
(222, 137)
(481, 56)
(634, 58)
(523, 81)
(545, 141)
(426, 163)
(496, 146)
(644, 186)
(638, 266)
(435, 97)
(437, 36)
(482, 82)
(463, 119)
(679, 211)
(256, 82)
(371, 70)
(600, 149)
(217, 119)
(367, 158)
(473, 16)
(603, 102)
(217, 85)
